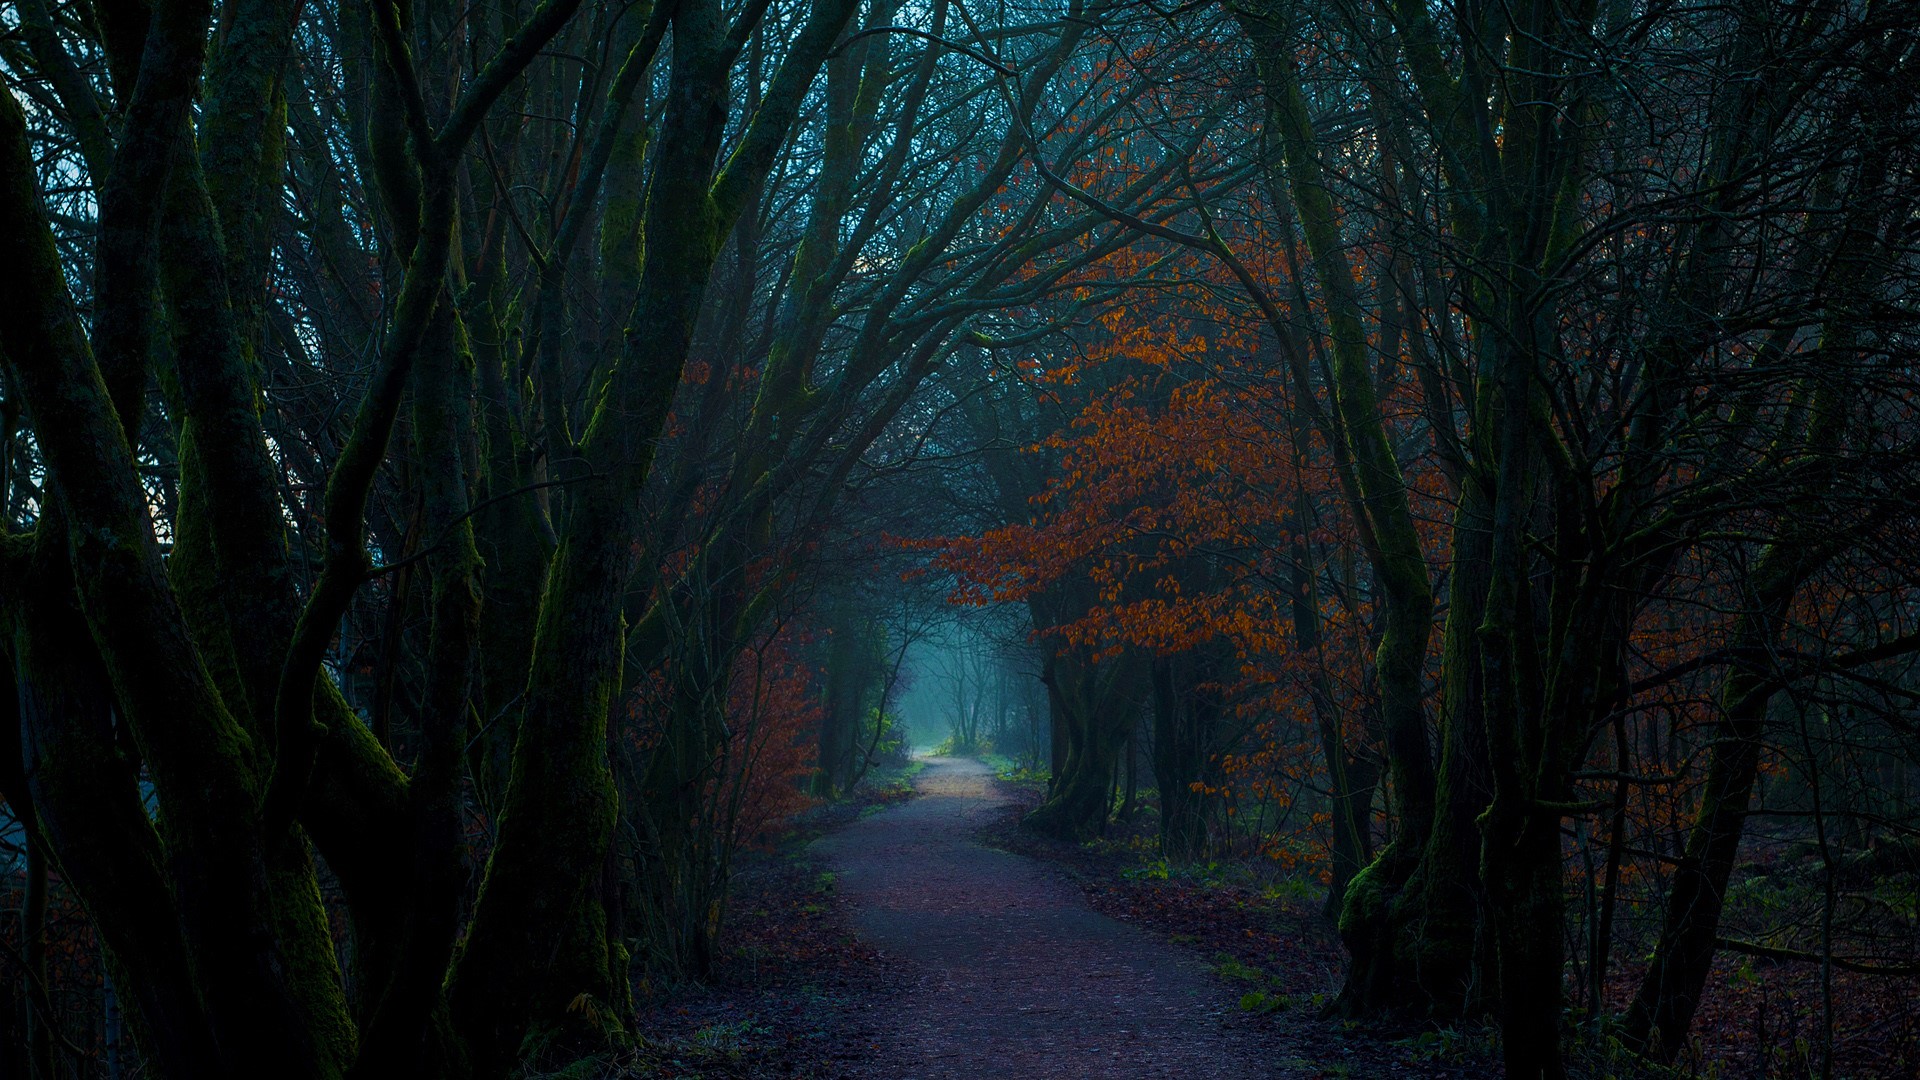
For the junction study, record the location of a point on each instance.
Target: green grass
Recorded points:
(894, 778)
(1260, 1003)
(1205, 875)
(1229, 968)
(1011, 771)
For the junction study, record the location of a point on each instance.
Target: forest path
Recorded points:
(1009, 974)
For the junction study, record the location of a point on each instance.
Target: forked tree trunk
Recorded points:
(1184, 721)
(1662, 1011)
(1092, 707)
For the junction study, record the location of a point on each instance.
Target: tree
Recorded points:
(1575, 494)
(216, 648)
(1489, 314)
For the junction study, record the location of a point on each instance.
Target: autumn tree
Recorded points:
(1553, 352)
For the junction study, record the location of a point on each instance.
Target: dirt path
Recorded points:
(1009, 974)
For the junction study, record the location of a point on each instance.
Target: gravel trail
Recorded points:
(1008, 974)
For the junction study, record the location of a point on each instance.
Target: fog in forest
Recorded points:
(961, 683)
(1052, 538)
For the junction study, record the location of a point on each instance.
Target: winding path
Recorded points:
(1009, 974)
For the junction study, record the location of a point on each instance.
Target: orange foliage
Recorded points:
(773, 720)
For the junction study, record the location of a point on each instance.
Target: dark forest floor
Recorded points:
(1277, 959)
(1758, 1019)
(792, 994)
(920, 934)
(936, 939)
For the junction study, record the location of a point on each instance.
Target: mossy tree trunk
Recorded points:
(855, 670)
(1661, 1014)
(1096, 706)
(560, 805)
(1187, 714)
(213, 918)
(1377, 501)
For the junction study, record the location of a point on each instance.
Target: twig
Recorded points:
(1771, 952)
(387, 568)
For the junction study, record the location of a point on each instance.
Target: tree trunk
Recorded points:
(1184, 721)
(1092, 705)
